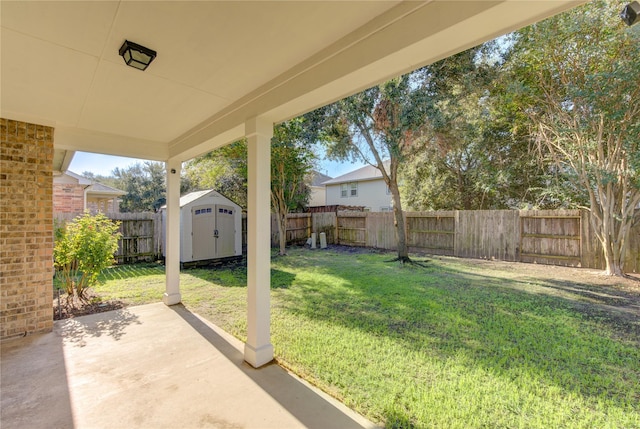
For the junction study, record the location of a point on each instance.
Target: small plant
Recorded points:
(82, 250)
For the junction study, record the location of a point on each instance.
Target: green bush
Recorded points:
(83, 249)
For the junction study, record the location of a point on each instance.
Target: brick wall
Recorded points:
(68, 198)
(26, 228)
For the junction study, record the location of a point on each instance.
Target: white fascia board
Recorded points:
(78, 139)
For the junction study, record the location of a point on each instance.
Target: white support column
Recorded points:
(172, 234)
(258, 349)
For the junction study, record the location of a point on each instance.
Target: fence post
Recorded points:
(456, 226)
(520, 231)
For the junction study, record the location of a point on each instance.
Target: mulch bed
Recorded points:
(64, 308)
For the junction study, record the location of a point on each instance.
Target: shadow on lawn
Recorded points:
(237, 277)
(127, 271)
(618, 309)
(509, 327)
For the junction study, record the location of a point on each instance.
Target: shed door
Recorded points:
(203, 232)
(226, 227)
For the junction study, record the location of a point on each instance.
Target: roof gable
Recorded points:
(367, 172)
(99, 188)
(318, 179)
(196, 195)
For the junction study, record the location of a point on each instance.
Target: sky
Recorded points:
(103, 165)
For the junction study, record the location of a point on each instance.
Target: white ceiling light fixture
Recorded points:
(136, 56)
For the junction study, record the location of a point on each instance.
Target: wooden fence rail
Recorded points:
(141, 235)
(554, 237)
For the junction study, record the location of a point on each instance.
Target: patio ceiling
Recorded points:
(219, 63)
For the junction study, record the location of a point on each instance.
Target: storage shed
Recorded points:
(210, 227)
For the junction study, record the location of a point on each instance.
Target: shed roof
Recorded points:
(196, 195)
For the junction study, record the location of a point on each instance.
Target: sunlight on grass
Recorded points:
(437, 348)
(444, 346)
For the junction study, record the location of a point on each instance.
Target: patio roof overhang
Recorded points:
(219, 63)
(224, 70)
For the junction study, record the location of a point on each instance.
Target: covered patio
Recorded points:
(223, 71)
(153, 366)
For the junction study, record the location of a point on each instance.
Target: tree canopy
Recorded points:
(582, 98)
(144, 184)
(380, 126)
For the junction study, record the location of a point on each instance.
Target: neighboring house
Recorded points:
(73, 193)
(362, 187)
(318, 196)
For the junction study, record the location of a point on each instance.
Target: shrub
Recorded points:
(83, 249)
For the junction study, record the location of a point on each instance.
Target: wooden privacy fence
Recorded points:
(432, 232)
(556, 237)
(553, 237)
(141, 235)
(298, 228)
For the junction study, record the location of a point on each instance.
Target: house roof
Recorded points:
(81, 179)
(203, 87)
(94, 188)
(318, 179)
(367, 172)
(101, 189)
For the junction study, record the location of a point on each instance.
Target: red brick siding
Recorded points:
(68, 198)
(26, 228)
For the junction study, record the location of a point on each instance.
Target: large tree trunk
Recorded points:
(282, 233)
(282, 210)
(613, 244)
(403, 250)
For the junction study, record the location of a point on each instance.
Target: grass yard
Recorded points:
(459, 344)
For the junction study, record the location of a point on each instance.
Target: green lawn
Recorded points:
(453, 345)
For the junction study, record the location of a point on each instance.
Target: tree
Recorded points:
(144, 184)
(379, 126)
(291, 163)
(224, 170)
(582, 97)
(292, 157)
(469, 157)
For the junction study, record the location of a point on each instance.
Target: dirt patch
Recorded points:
(593, 294)
(64, 308)
(589, 291)
(583, 278)
(356, 250)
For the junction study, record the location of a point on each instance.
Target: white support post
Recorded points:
(172, 233)
(258, 349)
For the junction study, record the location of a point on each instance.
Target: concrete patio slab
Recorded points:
(152, 366)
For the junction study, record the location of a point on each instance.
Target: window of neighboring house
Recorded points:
(344, 190)
(385, 209)
(349, 190)
(388, 191)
